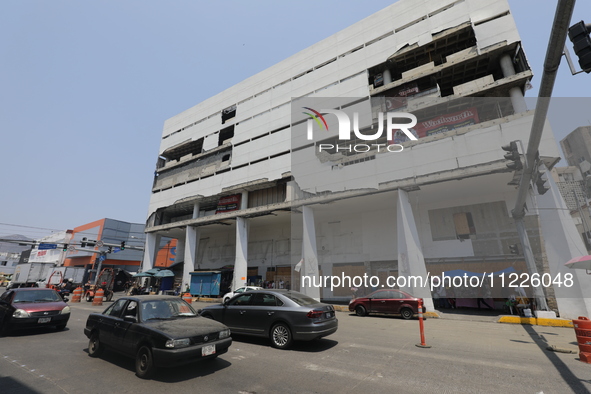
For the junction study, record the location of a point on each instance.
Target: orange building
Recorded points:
(85, 245)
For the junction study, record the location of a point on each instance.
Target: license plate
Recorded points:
(329, 315)
(208, 350)
(44, 320)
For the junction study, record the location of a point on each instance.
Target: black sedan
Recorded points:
(32, 307)
(281, 315)
(159, 331)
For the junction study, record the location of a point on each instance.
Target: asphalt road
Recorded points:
(366, 355)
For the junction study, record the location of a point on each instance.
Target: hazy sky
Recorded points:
(85, 87)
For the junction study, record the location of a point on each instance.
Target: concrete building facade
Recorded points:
(577, 149)
(242, 178)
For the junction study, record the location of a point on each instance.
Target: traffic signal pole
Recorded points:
(564, 11)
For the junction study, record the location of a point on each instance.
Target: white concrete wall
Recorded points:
(480, 145)
(266, 90)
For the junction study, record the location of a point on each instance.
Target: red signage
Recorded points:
(229, 203)
(448, 122)
(397, 98)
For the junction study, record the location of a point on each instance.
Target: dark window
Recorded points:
(382, 295)
(398, 295)
(243, 299)
(131, 309)
(300, 299)
(228, 113)
(225, 135)
(261, 299)
(116, 308)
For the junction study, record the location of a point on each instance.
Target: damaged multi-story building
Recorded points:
(245, 187)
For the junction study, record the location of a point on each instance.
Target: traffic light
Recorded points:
(541, 180)
(513, 155)
(65, 248)
(579, 36)
(513, 249)
(123, 245)
(83, 243)
(110, 250)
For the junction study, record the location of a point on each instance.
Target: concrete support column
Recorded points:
(150, 251)
(190, 251)
(411, 261)
(180, 250)
(190, 255)
(387, 76)
(563, 242)
(515, 93)
(309, 255)
(244, 200)
(241, 262)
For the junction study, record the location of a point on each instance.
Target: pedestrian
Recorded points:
(442, 295)
(480, 300)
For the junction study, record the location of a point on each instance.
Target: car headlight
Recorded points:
(65, 311)
(177, 343)
(224, 334)
(20, 313)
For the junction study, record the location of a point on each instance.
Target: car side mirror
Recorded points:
(130, 319)
(225, 302)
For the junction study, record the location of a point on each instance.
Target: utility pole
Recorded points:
(562, 17)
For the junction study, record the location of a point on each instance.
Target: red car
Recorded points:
(386, 301)
(32, 307)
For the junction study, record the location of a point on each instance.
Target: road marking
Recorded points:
(31, 371)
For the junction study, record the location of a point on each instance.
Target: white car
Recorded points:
(239, 290)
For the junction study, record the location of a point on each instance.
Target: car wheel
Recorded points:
(88, 297)
(360, 310)
(95, 347)
(110, 296)
(406, 313)
(144, 363)
(281, 336)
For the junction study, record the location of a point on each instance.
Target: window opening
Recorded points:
(228, 113)
(225, 135)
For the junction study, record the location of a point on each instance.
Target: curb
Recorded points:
(533, 321)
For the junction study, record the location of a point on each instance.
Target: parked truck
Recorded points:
(57, 275)
(30, 274)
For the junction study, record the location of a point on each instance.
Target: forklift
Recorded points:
(105, 281)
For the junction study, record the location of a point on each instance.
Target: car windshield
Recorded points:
(299, 298)
(36, 296)
(166, 309)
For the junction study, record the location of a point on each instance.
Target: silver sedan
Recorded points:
(281, 315)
